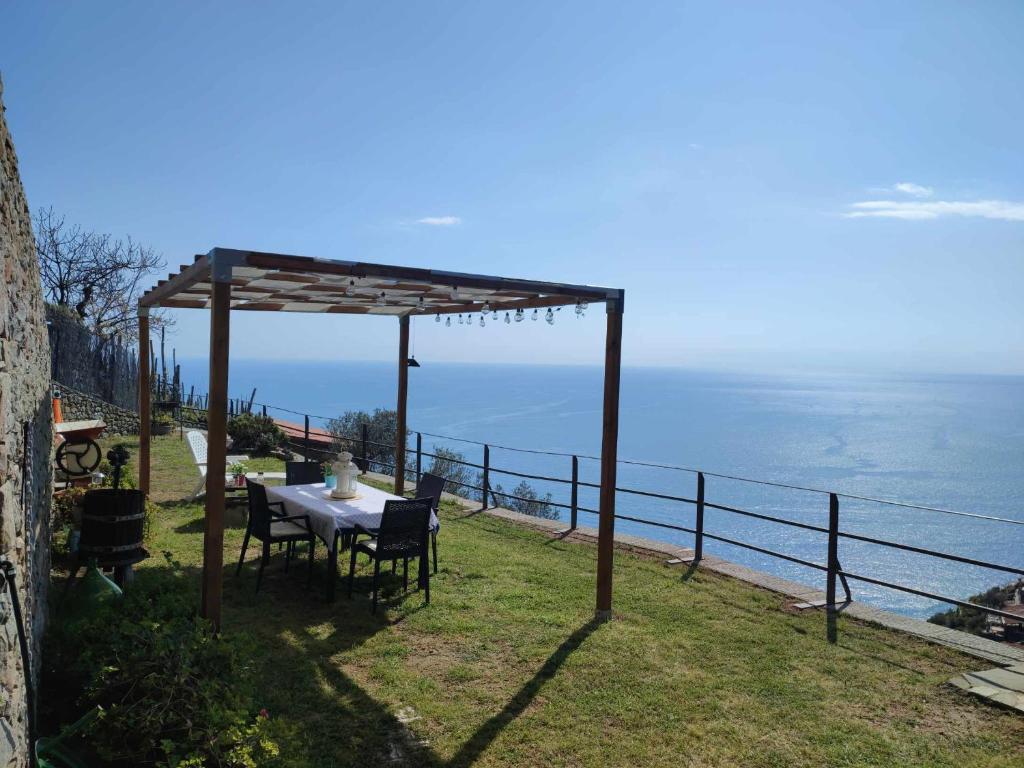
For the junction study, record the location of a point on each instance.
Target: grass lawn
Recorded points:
(506, 666)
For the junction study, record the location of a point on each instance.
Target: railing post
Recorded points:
(305, 439)
(366, 439)
(419, 459)
(698, 537)
(833, 566)
(485, 486)
(264, 411)
(575, 502)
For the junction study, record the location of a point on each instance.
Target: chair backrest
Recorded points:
(259, 511)
(197, 443)
(431, 487)
(303, 472)
(403, 528)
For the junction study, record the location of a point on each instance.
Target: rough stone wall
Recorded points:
(76, 406)
(26, 443)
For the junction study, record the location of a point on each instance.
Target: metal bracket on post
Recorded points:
(223, 261)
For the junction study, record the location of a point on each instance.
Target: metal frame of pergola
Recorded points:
(226, 279)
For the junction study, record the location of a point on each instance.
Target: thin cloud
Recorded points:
(920, 210)
(439, 221)
(912, 189)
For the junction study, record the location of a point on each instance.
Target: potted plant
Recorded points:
(162, 423)
(237, 472)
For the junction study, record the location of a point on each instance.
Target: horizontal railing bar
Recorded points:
(653, 495)
(930, 595)
(764, 551)
(530, 477)
(759, 516)
(932, 553)
(656, 524)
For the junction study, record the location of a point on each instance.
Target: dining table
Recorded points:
(330, 518)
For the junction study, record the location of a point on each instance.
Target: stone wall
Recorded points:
(26, 444)
(76, 406)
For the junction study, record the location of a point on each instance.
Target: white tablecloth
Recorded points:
(327, 515)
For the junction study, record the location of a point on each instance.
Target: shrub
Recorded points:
(527, 501)
(448, 464)
(167, 691)
(255, 434)
(381, 428)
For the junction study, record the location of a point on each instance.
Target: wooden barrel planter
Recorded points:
(113, 525)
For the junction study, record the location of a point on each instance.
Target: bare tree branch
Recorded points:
(96, 275)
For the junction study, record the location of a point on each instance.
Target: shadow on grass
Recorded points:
(488, 732)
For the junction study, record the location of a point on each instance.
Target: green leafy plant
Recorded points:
(167, 690)
(238, 468)
(163, 419)
(255, 434)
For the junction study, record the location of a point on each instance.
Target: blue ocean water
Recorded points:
(955, 442)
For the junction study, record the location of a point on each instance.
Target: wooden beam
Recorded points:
(609, 458)
(403, 401)
(144, 398)
(165, 289)
(216, 453)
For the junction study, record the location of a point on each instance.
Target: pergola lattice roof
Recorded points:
(281, 283)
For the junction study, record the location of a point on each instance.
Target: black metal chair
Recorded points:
(432, 486)
(270, 528)
(402, 535)
(303, 472)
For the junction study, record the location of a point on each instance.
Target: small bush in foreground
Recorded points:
(167, 691)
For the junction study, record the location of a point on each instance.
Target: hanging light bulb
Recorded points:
(460, 319)
(534, 315)
(437, 318)
(584, 304)
(455, 293)
(448, 321)
(382, 299)
(494, 315)
(550, 316)
(579, 308)
(350, 289)
(486, 307)
(520, 315)
(482, 321)
(507, 319)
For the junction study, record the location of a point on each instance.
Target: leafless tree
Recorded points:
(98, 276)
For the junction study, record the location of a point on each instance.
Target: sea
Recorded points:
(952, 443)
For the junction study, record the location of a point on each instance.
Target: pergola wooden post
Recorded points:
(226, 279)
(609, 458)
(403, 402)
(144, 398)
(216, 446)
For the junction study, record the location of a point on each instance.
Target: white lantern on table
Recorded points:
(346, 472)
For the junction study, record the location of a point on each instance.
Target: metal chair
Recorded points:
(402, 535)
(432, 486)
(303, 472)
(271, 528)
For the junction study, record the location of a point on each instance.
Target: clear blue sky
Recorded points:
(776, 186)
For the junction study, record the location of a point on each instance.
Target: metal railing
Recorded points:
(834, 572)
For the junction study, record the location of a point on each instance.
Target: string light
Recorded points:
(482, 321)
(534, 315)
(486, 307)
(455, 293)
(437, 318)
(350, 289)
(460, 319)
(382, 299)
(550, 316)
(520, 315)
(494, 315)
(447, 321)
(507, 319)
(580, 308)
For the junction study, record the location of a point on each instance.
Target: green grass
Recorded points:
(506, 667)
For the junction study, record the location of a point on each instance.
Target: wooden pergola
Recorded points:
(226, 279)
